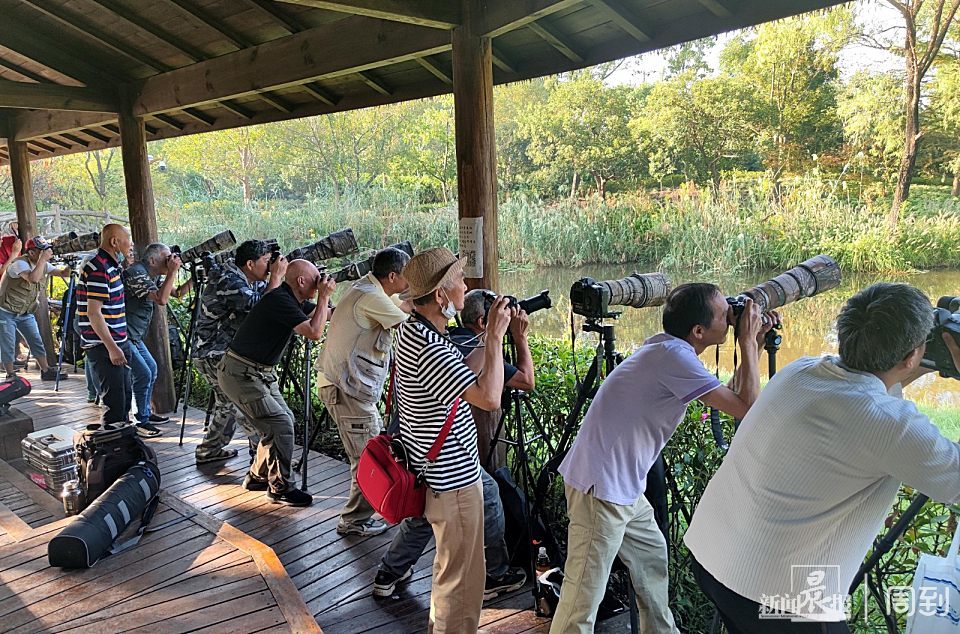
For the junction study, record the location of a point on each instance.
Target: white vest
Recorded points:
(355, 357)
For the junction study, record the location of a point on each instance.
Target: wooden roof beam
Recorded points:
(93, 134)
(374, 83)
(623, 18)
(437, 14)
(27, 42)
(94, 34)
(59, 142)
(501, 61)
(275, 101)
(187, 49)
(435, 70)
(343, 48)
(555, 40)
(278, 15)
(75, 139)
(717, 8)
(25, 72)
(320, 93)
(214, 24)
(236, 108)
(516, 14)
(169, 121)
(19, 94)
(200, 116)
(35, 147)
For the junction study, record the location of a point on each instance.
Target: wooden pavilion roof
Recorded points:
(190, 66)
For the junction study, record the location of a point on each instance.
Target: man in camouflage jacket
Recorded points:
(231, 291)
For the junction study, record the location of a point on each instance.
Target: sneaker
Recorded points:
(386, 582)
(157, 418)
(51, 375)
(291, 497)
(253, 483)
(511, 580)
(147, 430)
(92, 399)
(365, 529)
(220, 456)
(20, 365)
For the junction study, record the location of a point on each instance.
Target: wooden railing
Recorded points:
(57, 221)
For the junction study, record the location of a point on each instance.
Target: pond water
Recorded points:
(809, 327)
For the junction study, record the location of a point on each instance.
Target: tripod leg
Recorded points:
(65, 308)
(306, 414)
(187, 363)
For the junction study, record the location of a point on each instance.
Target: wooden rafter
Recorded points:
(275, 101)
(277, 14)
(25, 72)
(623, 18)
(41, 146)
(169, 121)
(94, 34)
(187, 49)
(717, 8)
(19, 94)
(93, 134)
(435, 70)
(517, 14)
(198, 115)
(501, 61)
(60, 142)
(437, 14)
(374, 83)
(320, 93)
(217, 26)
(236, 108)
(28, 42)
(75, 139)
(554, 39)
(333, 50)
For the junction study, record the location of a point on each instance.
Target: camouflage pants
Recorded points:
(225, 416)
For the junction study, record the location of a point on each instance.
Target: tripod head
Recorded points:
(608, 339)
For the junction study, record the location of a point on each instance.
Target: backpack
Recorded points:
(105, 452)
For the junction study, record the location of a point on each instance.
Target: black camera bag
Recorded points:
(105, 452)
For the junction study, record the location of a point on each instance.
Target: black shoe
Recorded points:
(51, 375)
(386, 582)
(511, 580)
(147, 430)
(251, 483)
(291, 497)
(157, 418)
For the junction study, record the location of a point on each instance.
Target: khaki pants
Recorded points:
(357, 423)
(225, 416)
(456, 596)
(255, 391)
(598, 532)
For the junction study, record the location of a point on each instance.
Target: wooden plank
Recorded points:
(344, 48)
(554, 39)
(12, 524)
(199, 115)
(170, 121)
(257, 622)
(28, 42)
(22, 70)
(320, 93)
(623, 18)
(510, 16)
(374, 83)
(717, 8)
(216, 25)
(438, 14)
(278, 15)
(275, 101)
(18, 94)
(171, 40)
(435, 70)
(285, 593)
(44, 500)
(236, 108)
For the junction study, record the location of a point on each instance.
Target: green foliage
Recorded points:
(872, 113)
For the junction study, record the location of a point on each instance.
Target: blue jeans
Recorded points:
(27, 325)
(144, 371)
(415, 533)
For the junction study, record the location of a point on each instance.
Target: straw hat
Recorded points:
(429, 270)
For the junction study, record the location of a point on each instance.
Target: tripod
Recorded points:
(67, 300)
(605, 360)
(198, 281)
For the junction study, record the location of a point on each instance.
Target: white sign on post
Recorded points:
(471, 246)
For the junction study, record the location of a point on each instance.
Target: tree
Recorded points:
(702, 124)
(872, 116)
(926, 24)
(102, 159)
(583, 128)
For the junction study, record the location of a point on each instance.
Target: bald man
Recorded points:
(101, 321)
(247, 374)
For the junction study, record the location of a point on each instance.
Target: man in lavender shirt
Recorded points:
(631, 419)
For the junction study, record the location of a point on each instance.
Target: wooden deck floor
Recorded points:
(333, 574)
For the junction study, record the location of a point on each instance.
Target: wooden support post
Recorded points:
(27, 224)
(143, 228)
(476, 145)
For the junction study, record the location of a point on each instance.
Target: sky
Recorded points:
(872, 15)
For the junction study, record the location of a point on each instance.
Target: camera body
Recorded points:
(590, 299)
(529, 305)
(593, 299)
(946, 319)
(737, 303)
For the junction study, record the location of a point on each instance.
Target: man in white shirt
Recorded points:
(814, 468)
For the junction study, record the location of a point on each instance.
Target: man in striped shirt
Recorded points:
(432, 380)
(102, 325)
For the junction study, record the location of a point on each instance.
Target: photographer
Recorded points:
(815, 467)
(354, 365)
(518, 377)
(231, 292)
(20, 290)
(101, 322)
(143, 290)
(247, 374)
(631, 419)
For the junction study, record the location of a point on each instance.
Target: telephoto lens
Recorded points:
(811, 277)
(356, 270)
(593, 299)
(335, 245)
(85, 242)
(220, 242)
